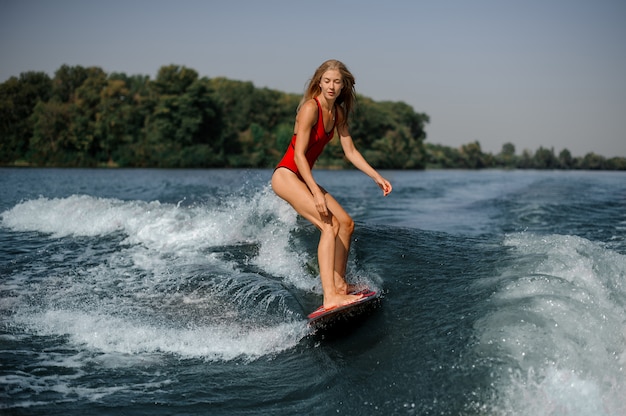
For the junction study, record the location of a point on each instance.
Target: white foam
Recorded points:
(558, 326)
(275, 219)
(116, 335)
(165, 227)
(79, 215)
(149, 290)
(554, 392)
(169, 228)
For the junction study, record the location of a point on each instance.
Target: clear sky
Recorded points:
(534, 73)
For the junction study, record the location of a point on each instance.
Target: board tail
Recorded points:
(367, 293)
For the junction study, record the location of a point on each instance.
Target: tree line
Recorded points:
(84, 117)
(470, 156)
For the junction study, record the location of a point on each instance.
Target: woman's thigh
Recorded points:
(336, 208)
(289, 187)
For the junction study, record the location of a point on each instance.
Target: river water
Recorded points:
(186, 292)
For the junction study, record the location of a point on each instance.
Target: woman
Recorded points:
(326, 106)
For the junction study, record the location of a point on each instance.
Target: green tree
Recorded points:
(142, 99)
(114, 124)
(234, 100)
(84, 142)
(441, 157)
(66, 80)
(472, 156)
(616, 163)
(18, 98)
(369, 123)
(51, 131)
(253, 153)
(526, 160)
(390, 134)
(185, 127)
(396, 150)
(565, 159)
(506, 157)
(545, 159)
(283, 134)
(64, 127)
(174, 80)
(593, 161)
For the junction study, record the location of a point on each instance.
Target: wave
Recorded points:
(113, 334)
(555, 335)
(171, 229)
(204, 281)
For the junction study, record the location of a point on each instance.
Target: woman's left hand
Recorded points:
(385, 185)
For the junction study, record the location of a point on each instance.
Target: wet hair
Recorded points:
(346, 98)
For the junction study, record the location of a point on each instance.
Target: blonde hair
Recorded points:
(346, 98)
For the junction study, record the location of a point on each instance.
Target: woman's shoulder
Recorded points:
(308, 112)
(310, 104)
(309, 107)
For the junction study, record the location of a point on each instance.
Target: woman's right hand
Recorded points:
(320, 204)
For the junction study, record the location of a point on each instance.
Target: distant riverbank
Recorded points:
(84, 117)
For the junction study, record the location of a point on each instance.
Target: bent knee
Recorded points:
(349, 225)
(332, 227)
(343, 226)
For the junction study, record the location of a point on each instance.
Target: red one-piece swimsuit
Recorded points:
(317, 141)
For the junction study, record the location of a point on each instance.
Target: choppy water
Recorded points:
(185, 292)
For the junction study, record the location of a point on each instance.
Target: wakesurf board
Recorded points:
(325, 319)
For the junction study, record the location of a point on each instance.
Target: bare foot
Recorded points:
(356, 288)
(347, 288)
(339, 300)
(342, 288)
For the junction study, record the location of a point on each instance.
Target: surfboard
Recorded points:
(326, 319)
